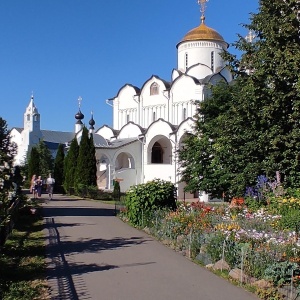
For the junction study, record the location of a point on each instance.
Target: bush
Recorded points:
(143, 199)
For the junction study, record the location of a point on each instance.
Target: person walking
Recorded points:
(33, 186)
(39, 186)
(50, 185)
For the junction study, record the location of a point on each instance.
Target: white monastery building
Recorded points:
(149, 122)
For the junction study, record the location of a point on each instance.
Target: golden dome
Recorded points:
(202, 32)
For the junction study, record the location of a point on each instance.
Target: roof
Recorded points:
(18, 129)
(118, 143)
(58, 137)
(201, 33)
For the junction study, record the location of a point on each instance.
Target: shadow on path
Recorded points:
(63, 274)
(77, 211)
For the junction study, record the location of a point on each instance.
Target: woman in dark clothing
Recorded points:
(39, 185)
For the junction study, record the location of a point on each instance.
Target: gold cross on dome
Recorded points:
(202, 4)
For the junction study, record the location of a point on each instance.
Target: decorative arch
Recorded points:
(124, 161)
(159, 151)
(103, 171)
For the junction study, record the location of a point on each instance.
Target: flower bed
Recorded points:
(264, 244)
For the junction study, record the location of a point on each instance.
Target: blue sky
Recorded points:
(63, 49)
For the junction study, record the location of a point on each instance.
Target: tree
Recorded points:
(33, 163)
(92, 162)
(70, 165)
(256, 131)
(59, 167)
(7, 153)
(85, 174)
(46, 160)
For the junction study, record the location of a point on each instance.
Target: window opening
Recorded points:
(154, 89)
(157, 154)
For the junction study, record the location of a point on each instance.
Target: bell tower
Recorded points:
(31, 134)
(32, 117)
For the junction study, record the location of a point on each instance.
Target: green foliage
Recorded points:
(290, 220)
(280, 272)
(268, 294)
(7, 152)
(117, 189)
(22, 258)
(45, 161)
(70, 164)
(143, 199)
(92, 163)
(59, 167)
(33, 163)
(40, 161)
(251, 127)
(85, 173)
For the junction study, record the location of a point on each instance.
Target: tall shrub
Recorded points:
(143, 199)
(70, 165)
(85, 174)
(59, 167)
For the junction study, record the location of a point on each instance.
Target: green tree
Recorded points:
(7, 153)
(59, 167)
(33, 163)
(85, 174)
(256, 131)
(46, 160)
(70, 165)
(92, 162)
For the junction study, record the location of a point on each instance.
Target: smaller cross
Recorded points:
(250, 37)
(202, 6)
(79, 101)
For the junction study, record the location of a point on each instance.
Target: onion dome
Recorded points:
(92, 122)
(201, 33)
(79, 116)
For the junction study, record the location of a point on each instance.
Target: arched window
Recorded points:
(154, 89)
(154, 116)
(157, 154)
(36, 117)
(212, 61)
(28, 117)
(128, 118)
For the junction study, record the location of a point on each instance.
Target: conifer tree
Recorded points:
(85, 171)
(70, 165)
(92, 163)
(45, 161)
(33, 163)
(7, 152)
(59, 167)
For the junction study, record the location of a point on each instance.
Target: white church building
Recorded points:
(149, 122)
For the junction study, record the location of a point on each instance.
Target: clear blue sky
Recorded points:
(63, 49)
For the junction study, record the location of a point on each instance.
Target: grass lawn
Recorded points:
(22, 261)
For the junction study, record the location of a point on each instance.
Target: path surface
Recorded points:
(93, 255)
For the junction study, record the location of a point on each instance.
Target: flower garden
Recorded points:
(258, 237)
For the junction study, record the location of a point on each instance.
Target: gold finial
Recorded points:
(202, 4)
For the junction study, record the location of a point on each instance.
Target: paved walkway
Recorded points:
(93, 255)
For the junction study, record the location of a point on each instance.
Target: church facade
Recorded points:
(149, 122)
